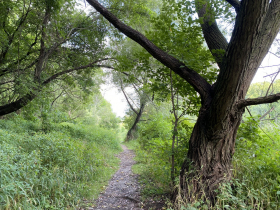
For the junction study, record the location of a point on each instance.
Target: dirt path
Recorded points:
(123, 191)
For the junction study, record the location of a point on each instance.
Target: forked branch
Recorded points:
(192, 77)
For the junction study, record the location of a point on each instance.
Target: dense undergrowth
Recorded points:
(53, 169)
(256, 181)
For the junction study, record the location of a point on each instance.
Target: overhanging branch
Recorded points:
(192, 77)
(23, 101)
(16, 105)
(93, 64)
(261, 100)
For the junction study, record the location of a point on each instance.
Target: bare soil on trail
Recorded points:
(123, 191)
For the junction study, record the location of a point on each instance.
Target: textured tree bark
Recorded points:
(210, 154)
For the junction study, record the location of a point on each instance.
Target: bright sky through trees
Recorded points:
(119, 105)
(116, 98)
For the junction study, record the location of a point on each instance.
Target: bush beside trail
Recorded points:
(256, 169)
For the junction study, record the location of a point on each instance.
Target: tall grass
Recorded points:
(53, 170)
(154, 170)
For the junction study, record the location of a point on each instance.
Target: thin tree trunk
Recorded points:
(176, 119)
(173, 151)
(267, 113)
(131, 133)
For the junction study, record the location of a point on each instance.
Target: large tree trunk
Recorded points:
(210, 154)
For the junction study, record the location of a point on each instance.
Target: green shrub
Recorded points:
(256, 174)
(154, 150)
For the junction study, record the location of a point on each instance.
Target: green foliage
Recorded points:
(100, 112)
(71, 39)
(153, 152)
(262, 89)
(53, 170)
(154, 170)
(173, 29)
(155, 131)
(256, 174)
(248, 130)
(102, 136)
(257, 164)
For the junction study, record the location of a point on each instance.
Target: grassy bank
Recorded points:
(54, 169)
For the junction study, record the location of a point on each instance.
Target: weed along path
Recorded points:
(123, 191)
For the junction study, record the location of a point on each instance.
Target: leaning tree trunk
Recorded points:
(131, 133)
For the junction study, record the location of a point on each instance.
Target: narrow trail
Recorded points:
(123, 191)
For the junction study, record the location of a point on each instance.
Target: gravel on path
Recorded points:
(123, 191)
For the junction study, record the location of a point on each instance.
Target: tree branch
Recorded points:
(213, 36)
(56, 98)
(136, 89)
(172, 97)
(235, 4)
(16, 105)
(192, 77)
(130, 105)
(129, 75)
(42, 56)
(267, 113)
(21, 20)
(6, 82)
(259, 125)
(93, 64)
(261, 100)
(272, 82)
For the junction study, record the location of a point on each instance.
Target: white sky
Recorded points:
(270, 60)
(116, 98)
